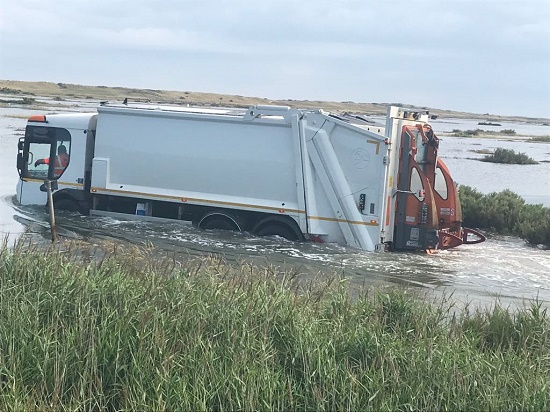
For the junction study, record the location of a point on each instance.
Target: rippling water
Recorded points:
(502, 266)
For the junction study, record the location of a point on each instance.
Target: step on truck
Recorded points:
(267, 170)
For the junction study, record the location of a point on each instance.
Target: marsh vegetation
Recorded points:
(509, 156)
(481, 132)
(541, 139)
(507, 213)
(125, 330)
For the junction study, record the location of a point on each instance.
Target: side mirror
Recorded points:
(20, 161)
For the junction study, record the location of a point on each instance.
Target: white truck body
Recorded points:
(301, 174)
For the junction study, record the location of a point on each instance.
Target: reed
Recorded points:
(124, 329)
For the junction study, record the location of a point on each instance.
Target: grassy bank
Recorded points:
(66, 91)
(506, 213)
(129, 331)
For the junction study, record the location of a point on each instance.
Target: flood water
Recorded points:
(503, 267)
(531, 182)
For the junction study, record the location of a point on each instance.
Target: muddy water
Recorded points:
(501, 267)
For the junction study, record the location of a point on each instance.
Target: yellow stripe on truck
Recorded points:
(195, 200)
(26, 179)
(220, 202)
(351, 222)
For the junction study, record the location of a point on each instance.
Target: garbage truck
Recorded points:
(300, 174)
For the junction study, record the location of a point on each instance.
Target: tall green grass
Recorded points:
(126, 330)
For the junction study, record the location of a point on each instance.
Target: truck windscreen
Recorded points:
(45, 152)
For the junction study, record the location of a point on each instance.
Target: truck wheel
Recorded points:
(220, 222)
(67, 204)
(277, 229)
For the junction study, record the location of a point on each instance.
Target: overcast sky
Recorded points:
(484, 56)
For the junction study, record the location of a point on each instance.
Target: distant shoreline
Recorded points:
(16, 88)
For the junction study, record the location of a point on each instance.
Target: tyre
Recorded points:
(277, 229)
(69, 205)
(219, 222)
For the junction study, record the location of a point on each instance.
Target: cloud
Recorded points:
(460, 54)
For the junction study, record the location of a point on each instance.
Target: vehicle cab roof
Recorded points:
(65, 120)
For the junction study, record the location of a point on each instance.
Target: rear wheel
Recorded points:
(277, 229)
(220, 222)
(67, 204)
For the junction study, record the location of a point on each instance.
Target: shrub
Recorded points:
(471, 202)
(534, 224)
(509, 156)
(502, 210)
(505, 212)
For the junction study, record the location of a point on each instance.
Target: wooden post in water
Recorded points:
(48, 184)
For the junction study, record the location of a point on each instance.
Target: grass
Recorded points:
(126, 330)
(541, 139)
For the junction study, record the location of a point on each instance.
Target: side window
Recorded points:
(62, 152)
(440, 185)
(416, 186)
(38, 150)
